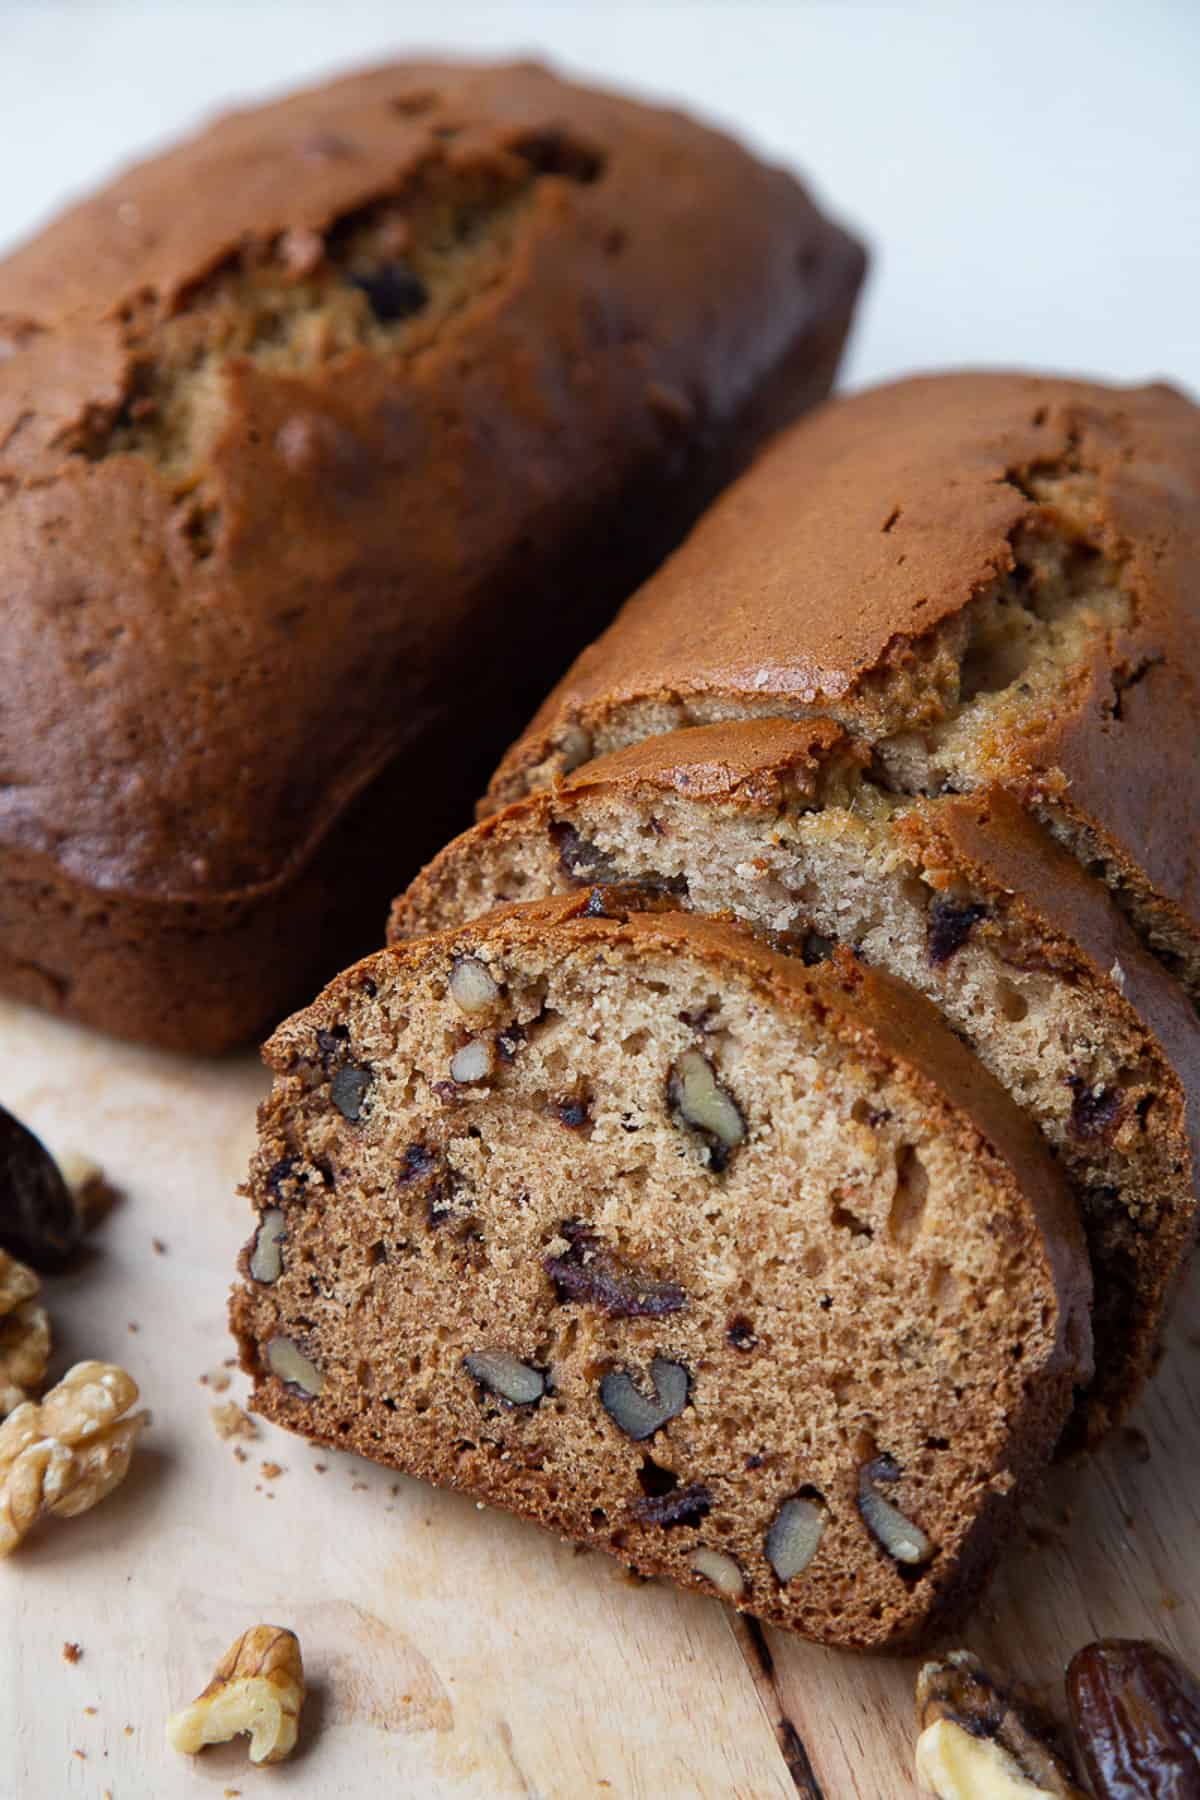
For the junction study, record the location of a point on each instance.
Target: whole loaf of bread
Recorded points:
(325, 440)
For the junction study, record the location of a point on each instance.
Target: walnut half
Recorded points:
(979, 1742)
(24, 1334)
(66, 1454)
(257, 1687)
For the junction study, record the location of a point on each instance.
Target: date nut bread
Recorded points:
(326, 439)
(745, 1272)
(787, 825)
(992, 579)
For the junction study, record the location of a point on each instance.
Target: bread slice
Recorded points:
(965, 897)
(746, 1273)
(990, 578)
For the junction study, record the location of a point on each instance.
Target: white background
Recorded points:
(1029, 177)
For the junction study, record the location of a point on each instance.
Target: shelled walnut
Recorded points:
(257, 1687)
(979, 1741)
(24, 1335)
(64, 1455)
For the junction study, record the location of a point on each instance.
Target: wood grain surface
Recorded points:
(450, 1651)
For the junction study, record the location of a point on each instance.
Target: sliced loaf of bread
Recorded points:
(990, 578)
(783, 824)
(744, 1272)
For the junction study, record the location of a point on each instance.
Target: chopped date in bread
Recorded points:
(591, 1272)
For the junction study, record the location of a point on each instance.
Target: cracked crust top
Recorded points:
(854, 570)
(203, 477)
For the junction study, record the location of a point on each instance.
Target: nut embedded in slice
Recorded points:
(638, 1416)
(980, 1741)
(505, 1377)
(474, 1062)
(257, 1687)
(708, 1108)
(293, 1368)
(348, 1090)
(266, 1256)
(721, 1570)
(472, 986)
(794, 1537)
(898, 1534)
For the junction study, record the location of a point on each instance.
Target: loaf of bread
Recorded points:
(991, 579)
(325, 440)
(780, 823)
(745, 1272)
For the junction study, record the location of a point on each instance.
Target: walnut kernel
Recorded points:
(66, 1454)
(257, 1687)
(293, 1368)
(898, 1535)
(472, 985)
(24, 1334)
(719, 1568)
(699, 1101)
(794, 1537)
(979, 1741)
(266, 1257)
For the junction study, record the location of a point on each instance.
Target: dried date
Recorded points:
(1135, 1710)
(592, 1273)
(41, 1221)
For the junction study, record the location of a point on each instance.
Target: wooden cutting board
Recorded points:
(450, 1650)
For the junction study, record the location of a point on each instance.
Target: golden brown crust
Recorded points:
(350, 516)
(862, 1020)
(864, 529)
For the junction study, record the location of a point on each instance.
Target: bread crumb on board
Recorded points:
(72, 1652)
(230, 1421)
